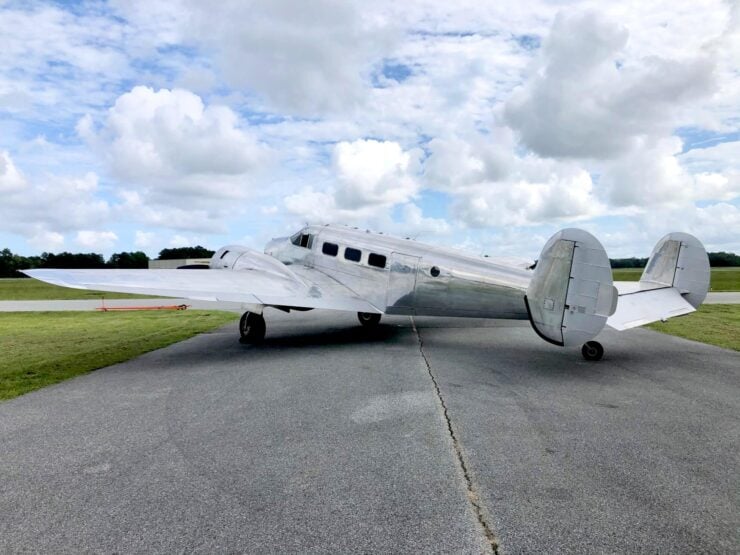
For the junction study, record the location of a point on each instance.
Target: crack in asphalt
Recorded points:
(472, 493)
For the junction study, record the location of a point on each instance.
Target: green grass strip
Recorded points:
(716, 324)
(43, 348)
(34, 290)
(722, 279)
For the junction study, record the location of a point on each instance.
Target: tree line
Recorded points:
(11, 263)
(716, 260)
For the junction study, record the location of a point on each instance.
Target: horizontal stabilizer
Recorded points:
(674, 282)
(648, 305)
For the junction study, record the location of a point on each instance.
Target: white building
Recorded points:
(178, 263)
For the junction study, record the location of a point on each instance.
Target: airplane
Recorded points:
(568, 295)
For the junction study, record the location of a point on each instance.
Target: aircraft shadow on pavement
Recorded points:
(334, 336)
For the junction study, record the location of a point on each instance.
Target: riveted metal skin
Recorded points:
(464, 285)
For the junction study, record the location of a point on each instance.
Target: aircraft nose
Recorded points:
(274, 244)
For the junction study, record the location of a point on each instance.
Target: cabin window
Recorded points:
(330, 249)
(377, 260)
(434, 271)
(352, 254)
(302, 240)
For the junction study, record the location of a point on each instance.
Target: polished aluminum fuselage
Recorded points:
(417, 279)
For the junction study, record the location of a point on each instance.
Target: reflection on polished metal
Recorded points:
(568, 297)
(460, 285)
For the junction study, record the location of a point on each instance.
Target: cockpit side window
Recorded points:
(304, 240)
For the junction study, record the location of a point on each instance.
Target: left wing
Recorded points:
(253, 286)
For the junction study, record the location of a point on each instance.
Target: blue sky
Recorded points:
(483, 126)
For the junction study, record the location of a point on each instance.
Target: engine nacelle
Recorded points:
(571, 294)
(240, 258)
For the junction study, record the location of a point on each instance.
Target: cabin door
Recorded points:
(401, 283)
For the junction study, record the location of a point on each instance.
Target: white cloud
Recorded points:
(96, 240)
(301, 57)
(373, 172)
(716, 225)
(455, 163)
(11, 179)
(183, 164)
(563, 195)
(47, 241)
(46, 207)
(415, 223)
(579, 102)
(170, 134)
(370, 179)
(648, 175)
(144, 239)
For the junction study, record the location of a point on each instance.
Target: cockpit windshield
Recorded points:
(302, 239)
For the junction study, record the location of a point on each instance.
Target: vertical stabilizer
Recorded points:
(679, 260)
(571, 294)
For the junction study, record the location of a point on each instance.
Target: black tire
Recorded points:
(592, 350)
(368, 319)
(252, 327)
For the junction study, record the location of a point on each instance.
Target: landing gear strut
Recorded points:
(368, 319)
(592, 350)
(252, 328)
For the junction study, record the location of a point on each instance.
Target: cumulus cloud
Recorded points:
(370, 178)
(374, 172)
(582, 101)
(170, 134)
(415, 223)
(559, 196)
(455, 163)
(492, 185)
(43, 209)
(717, 225)
(144, 239)
(11, 179)
(716, 170)
(182, 163)
(46, 241)
(96, 240)
(649, 175)
(300, 57)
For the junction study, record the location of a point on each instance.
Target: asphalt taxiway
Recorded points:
(429, 435)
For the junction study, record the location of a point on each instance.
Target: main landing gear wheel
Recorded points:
(252, 328)
(368, 319)
(592, 350)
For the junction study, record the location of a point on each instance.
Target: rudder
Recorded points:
(571, 294)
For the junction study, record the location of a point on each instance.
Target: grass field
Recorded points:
(723, 279)
(32, 290)
(43, 348)
(716, 324)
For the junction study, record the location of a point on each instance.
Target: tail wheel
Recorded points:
(592, 350)
(368, 319)
(252, 327)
